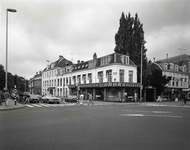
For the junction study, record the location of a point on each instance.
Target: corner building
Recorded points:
(107, 78)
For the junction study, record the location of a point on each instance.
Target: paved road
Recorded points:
(115, 127)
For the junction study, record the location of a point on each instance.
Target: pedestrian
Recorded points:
(81, 99)
(135, 97)
(6, 96)
(90, 99)
(185, 100)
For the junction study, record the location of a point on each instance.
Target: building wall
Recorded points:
(60, 81)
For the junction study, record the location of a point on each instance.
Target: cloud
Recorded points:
(76, 29)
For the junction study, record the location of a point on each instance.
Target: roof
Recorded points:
(175, 59)
(113, 58)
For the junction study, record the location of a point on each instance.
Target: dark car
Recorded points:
(71, 98)
(34, 98)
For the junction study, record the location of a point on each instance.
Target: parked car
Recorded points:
(71, 98)
(34, 98)
(50, 99)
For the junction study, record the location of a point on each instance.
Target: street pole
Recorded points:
(6, 68)
(141, 88)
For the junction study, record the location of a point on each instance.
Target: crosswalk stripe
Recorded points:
(29, 106)
(48, 105)
(36, 105)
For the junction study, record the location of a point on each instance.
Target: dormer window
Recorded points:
(125, 59)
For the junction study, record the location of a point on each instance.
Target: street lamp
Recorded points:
(13, 11)
(141, 88)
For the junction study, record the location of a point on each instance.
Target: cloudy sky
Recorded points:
(44, 29)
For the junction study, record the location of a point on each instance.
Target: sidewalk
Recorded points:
(11, 105)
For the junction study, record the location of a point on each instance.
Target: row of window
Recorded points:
(87, 78)
(172, 67)
(176, 82)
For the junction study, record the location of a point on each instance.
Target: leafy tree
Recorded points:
(2, 77)
(21, 84)
(129, 39)
(157, 80)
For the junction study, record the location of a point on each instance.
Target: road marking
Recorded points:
(29, 106)
(141, 115)
(147, 111)
(36, 105)
(132, 115)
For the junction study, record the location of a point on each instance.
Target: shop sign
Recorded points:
(110, 84)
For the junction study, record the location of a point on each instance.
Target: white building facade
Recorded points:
(107, 78)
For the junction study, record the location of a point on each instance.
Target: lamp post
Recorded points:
(141, 70)
(13, 11)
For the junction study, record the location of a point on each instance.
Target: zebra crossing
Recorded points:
(48, 105)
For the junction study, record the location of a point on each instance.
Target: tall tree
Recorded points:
(129, 39)
(2, 77)
(157, 80)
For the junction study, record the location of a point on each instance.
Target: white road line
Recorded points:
(36, 105)
(141, 115)
(29, 106)
(132, 115)
(147, 111)
(160, 112)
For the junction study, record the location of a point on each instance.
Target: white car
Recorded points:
(51, 99)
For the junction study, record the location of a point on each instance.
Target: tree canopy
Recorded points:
(157, 80)
(130, 38)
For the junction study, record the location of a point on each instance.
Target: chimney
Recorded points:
(60, 56)
(36, 73)
(78, 62)
(94, 56)
(154, 59)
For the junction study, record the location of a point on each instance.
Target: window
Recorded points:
(130, 76)
(90, 77)
(74, 79)
(121, 75)
(67, 81)
(57, 82)
(63, 81)
(109, 75)
(84, 78)
(100, 76)
(125, 59)
(79, 79)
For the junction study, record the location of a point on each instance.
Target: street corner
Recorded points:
(11, 105)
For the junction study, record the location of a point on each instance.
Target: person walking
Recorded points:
(6, 96)
(135, 97)
(81, 99)
(90, 99)
(185, 100)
